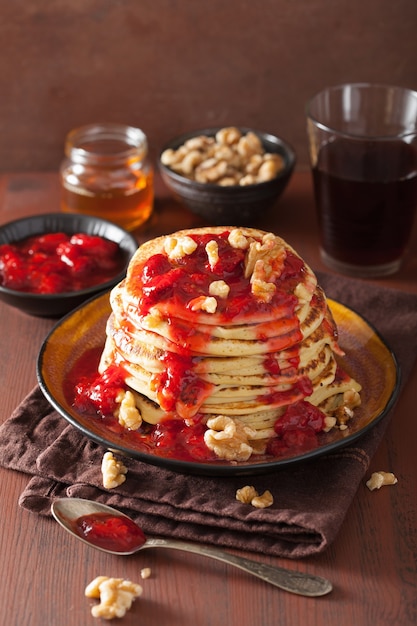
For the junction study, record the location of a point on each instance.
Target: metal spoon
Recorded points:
(67, 510)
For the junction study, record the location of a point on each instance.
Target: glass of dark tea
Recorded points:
(363, 152)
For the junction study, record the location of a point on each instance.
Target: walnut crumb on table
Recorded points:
(115, 594)
(380, 479)
(113, 471)
(249, 495)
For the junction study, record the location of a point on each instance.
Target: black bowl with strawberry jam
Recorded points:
(52, 263)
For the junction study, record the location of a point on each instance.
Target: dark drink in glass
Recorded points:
(363, 154)
(366, 194)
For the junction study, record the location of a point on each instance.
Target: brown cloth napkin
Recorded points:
(310, 499)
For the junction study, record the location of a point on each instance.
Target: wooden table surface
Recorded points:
(372, 563)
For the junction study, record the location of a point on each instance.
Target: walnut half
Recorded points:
(229, 438)
(113, 471)
(116, 596)
(249, 495)
(379, 479)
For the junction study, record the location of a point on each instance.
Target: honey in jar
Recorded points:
(107, 173)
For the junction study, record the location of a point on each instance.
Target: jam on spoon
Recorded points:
(107, 529)
(110, 532)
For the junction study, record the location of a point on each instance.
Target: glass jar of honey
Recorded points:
(107, 173)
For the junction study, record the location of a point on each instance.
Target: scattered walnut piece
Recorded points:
(212, 250)
(265, 261)
(380, 479)
(238, 240)
(246, 494)
(116, 596)
(249, 495)
(229, 438)
(263, 501)
(329, 423)
(219, 288)
(303, 293)
(262, 290)
(114, 472)
(145, 572)
(127, 413)
(203, 303)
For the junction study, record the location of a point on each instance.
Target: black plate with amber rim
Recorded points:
(368, 359)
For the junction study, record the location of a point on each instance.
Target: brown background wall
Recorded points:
(169, 65)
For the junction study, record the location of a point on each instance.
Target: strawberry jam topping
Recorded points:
(59, 263)
(179, 388)
(297, 429)
(98, 394)
(172, 284)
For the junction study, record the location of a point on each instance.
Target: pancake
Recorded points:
(226, 323)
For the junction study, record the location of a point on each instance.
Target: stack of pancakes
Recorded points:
(192, 355)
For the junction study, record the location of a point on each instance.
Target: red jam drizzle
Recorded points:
(297, 429)
(171, 285)
(101, 392)
(111, 532)
(181, 440)
(95, 397)
(179, 388)
(59, 263)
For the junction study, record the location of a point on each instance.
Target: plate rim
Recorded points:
(216, 469)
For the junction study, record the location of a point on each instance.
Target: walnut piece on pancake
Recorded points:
(270, 252)
(203, 303)
(178, 247)
(264, 264)
(237, 239)
(212, 250)
(116, 596)
(219, 288)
